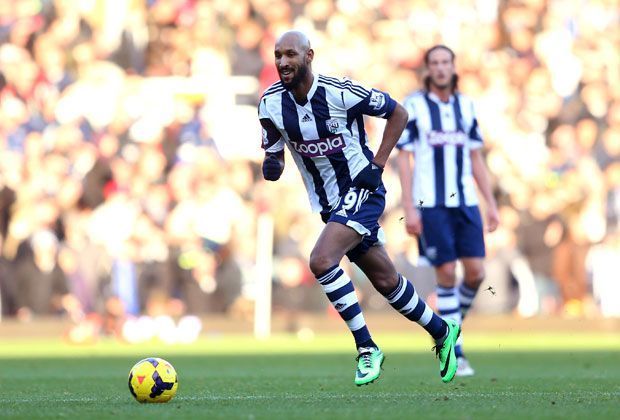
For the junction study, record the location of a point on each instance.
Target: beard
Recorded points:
(440, 85)
(300, 75)
(444, 85)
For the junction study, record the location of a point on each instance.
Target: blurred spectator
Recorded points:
(538, 233)
(97, 181)
(127, 148)
(124, 279)
(41, 284)
(8, 288)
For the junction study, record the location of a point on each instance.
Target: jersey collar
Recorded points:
(315, 83)
(436, 98)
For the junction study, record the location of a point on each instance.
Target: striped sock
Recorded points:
(340, 292)
(466, 297)
(448, 307)
(406, 301)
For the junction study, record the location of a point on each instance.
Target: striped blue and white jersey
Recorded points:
(441, 135)
(325, 135)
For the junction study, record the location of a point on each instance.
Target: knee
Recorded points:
(320, 263)
(474, 276)
(446, 275)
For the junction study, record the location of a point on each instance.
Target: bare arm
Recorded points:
(481, 176)
(405, 170)
(413, 224)
(393, 129)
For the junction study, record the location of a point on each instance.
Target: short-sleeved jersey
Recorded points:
(325, 135)
(441, 135)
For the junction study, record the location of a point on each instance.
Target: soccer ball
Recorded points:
(153, 380)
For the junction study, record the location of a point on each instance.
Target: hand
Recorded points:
(272, 168)
(413, 222)
(492, 218)
(369, 178)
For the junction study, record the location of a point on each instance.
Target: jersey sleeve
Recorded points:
(378, 104)
(272, 141)
(410, 133)
(364, 101)
(474, 136)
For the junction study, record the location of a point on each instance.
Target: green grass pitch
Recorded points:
(518, 376)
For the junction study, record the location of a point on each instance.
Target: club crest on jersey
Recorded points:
(377, 100)
(332, 125)
(442, 138)
(319, 147)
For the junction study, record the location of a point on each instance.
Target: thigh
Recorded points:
(360, 210)
(469, 233)
(437, 241)
(336, 240)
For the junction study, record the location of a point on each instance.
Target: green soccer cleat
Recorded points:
(369, 364)
(445, 352)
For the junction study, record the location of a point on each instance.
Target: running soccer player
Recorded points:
(321, 120)
(439, 200)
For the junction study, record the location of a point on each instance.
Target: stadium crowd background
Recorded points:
(130, 151)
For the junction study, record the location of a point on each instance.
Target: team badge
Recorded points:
(332, 125)
(377, 100)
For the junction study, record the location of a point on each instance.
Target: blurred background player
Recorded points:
(320, 119)
(438, 195)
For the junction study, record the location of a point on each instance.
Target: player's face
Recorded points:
(441, 68)
(292, 62)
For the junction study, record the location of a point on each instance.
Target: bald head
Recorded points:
(294, 38)
(293, 57)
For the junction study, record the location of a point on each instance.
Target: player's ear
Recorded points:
(310, 55)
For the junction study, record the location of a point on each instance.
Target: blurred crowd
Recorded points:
(130, 152)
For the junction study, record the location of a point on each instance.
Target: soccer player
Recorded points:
(439, 200)
(321, 120)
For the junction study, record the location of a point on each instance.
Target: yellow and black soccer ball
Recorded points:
(153, 380)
